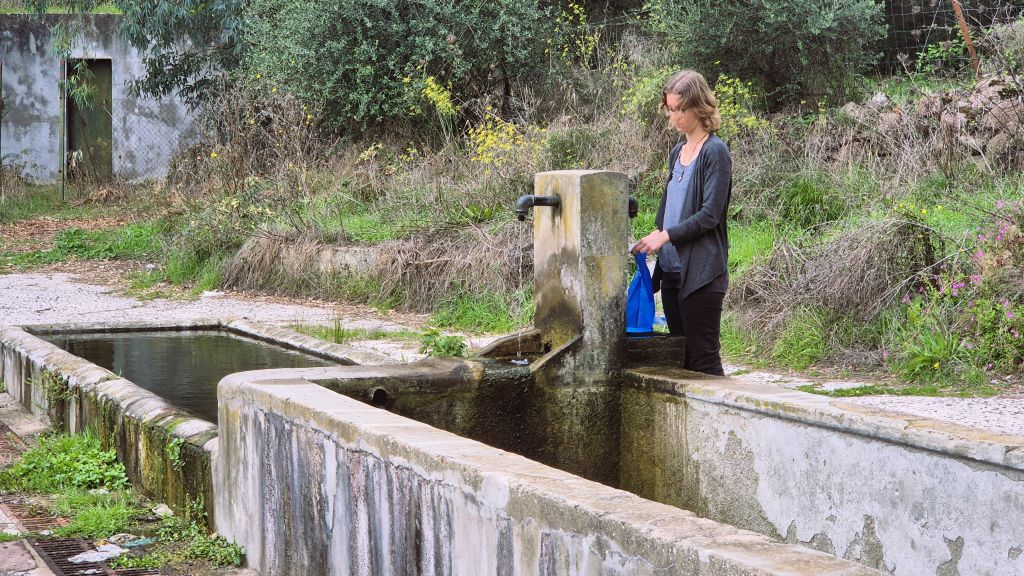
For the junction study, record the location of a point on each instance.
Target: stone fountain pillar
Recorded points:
(580, 271)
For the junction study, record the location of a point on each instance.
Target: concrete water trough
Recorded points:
(594, 458)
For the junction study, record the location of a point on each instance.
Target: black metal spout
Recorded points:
(527, 201)
(634, 207)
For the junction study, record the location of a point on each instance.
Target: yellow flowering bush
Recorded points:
(736, 103)
(495, 141)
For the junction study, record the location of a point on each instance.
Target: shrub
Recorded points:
(791, 47)
(368, 62)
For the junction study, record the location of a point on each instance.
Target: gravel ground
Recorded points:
(43, 298)
(58, 297)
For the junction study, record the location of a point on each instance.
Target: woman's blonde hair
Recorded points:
(694, 93)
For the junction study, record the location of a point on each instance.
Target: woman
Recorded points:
(691, 237)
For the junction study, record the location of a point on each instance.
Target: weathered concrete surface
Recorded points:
(145, 131)
(580, 267)
(77, 395)
(909, 496)
(311, 482)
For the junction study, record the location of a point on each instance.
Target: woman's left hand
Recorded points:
(651, 243)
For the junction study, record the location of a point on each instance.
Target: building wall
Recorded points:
(146, 131)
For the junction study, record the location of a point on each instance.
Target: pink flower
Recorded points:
(1000, 204)
(967, 344)
(976, 279)
(905, 299)
(1015, 333)
(1009, 315)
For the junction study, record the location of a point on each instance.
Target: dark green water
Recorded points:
(181, 367)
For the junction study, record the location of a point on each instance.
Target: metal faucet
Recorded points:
(527, 201)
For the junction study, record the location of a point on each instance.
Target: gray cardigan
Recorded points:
(701, 237)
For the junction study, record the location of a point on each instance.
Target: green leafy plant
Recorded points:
(190, 529)
(437, 344)
(352, 56)
(173, 449)
(945, 58)
(65, 462)
(790, 48)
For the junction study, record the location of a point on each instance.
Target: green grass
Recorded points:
(338, 333)
(737, 344)
(96, 515)
(140, 240)
(484, 312)
(802, 341)
(904, 88)
(748, 242)
(936, 390)
(44, 200)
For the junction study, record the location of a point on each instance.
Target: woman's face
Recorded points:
(683, 120)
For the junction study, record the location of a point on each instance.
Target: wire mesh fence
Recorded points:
(925, 35)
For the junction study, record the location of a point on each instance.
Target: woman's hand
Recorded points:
(651, 243)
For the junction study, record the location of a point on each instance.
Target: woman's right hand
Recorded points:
(651, 243)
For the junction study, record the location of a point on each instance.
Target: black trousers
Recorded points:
(698, 318)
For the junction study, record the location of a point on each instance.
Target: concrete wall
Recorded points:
(311, 482)
(909, 496)
(77, 395)
(146, 131)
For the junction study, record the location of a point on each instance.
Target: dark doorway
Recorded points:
(90, 140)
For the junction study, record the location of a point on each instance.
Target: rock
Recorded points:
(858, 113)
(120, 539)
(878, 101)
(1007, 115)
(930, 106)
(100, 554)
(891, 123)
(997, 144)
(952, 121)
(163, 511)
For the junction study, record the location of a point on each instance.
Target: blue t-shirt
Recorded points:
(678, 189)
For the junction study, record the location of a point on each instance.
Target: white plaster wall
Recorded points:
(906, 496)
(311, 482)
(146, 131)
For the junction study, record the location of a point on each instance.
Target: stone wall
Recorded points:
(311, 482)
(146, 131)
(909, 496)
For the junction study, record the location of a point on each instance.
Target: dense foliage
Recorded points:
(372, 61)
(793, 48)
(187, 45)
